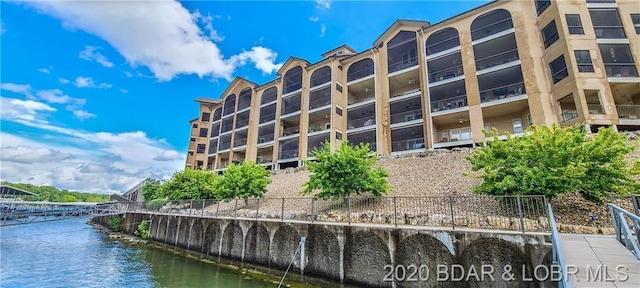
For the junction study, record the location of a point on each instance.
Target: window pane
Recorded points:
(542, 5)
(635, 18)
(574, 23)
(583, 58)
(550, 34)
(606, 23)
(558, 69)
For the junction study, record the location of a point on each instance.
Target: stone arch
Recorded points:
(183, 232)
(232, 241)
(211, 244)
(172, 230)
(497, 253)
(365, 256)
(283, 247)
(257, 245)
(195, 236)
(423, 249)
(323, 252)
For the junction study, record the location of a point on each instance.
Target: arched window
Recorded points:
(442, 40)
(360, 69)
(269, 95)
(217, 114)
(230, 104)
(244, 99)
(401, 51)
(321, 76)
(491, 23)
(292, 80)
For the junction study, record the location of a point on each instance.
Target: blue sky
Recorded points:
(97, 95)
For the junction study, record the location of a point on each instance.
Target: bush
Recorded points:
(152, 190)
(143, 230)
(155, 204)
(347, 172)
(553, 160)
(190, 184)
(242, 181)
(115, 223)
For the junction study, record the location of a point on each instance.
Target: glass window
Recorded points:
(574, 23)
(205, 117)
(607, 24)
(339, 111)
(201, 148)
(204, 132)
(550, 34)
(193, 139)
(542, 5)
(194, 126)
(292, 80)
(583, 58)
(339, 87)
(558, 69)
(442, 40)
(618, 60)
(635, 18)
(517, 125)
(491, 23)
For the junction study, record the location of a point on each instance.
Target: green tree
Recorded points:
(552, 160)
(191, 184)
(243, 181)
(143, 230)
(347, 172)
(152, 190)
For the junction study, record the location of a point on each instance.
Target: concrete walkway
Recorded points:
(589, 256)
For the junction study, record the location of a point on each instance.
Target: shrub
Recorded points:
(152, 190)
(346, 172)
(242, 181)
(554, 160)
(115, 223)
(143, 230)
(191, 184)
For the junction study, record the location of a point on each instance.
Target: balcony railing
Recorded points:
(410, 144)
(239, 142)
(406, 116)
(621, 69)
(316, 127)
(321, 80)
(609, 32)
(362, 73)
(628, 111)
(497, 59)
(361, 122)
(449, 103)
(394, 95)
(447, 73)
(595, 109)
(291, 131)
(601, 1)
(289, 154)
(502, 92)
(361, 98)
(267, 117)
(319, 102)
(292, 108)
(569, 114)
(263, 159)
(403, 64)
(224, 145)
(504, 127)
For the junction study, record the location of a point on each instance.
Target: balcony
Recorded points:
(361, 117)
(368, 137)
(289, 154)
(497, 60)
(503, 93)
(317, 141)
(361, 92)
(320, 98)
(213, 146)
(448, 104)
(360, 70)
(621, 70)
(513, 128)
(401, 52)
(629, 114)
(227, 125)
(291, 105)
(319, 122)
(267, 114)
(404, 139)
(265, 134)
(445, 68)
(225, 143)
(403, 64)
(453, 137)
(242, 119)
(406, 111)
(240, 139)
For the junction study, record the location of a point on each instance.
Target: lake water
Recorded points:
(71, 253)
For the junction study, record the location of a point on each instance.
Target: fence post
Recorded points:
(257, 208)
(235, 210)
(453, 220)
(519, 203)
(202, 212)
(614, 221)
(395, 212)
(349, 209)
(313, 200)
(190, 207)
(218, 208)
(282, 211)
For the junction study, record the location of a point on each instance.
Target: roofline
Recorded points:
(398, 22)
(434, 25)
(337, 48)
(291, 58)
(359, 53)
(207, 100)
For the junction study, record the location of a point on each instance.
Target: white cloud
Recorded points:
(263, 58)
(128, 74)
(26, 110)
(323, 30)
(87, 82)
(207, 22)
(314, 18)
(46, 70)
(107, 163)
(82, 114)
(17, 88)
(64, 81)
(161, 35)
(326, 4)
(89, 53)
(56, 96)
(124, 91)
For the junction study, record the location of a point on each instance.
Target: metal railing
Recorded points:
(558, 254)
(502, 92)
(621, 69)
(406, 116)
(403, 64)
(514, 213)
(267, 117)
(595, 109)
(320, 102)
(446, 73)
(362, 97)
(361, 122)
(626, 224)
(291, 131)
(628, 111)
(627, 202)
(449, 103)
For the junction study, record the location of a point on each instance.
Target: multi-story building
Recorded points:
(199, 136)
(504, 65)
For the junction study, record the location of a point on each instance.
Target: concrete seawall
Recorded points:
(368, 255)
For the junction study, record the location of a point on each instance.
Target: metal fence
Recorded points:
(630, 203)
(515, 213)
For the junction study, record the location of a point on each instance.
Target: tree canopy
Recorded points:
(552, 160)
(346, 172)
(242, 181)
(190, 184)
(53, 194)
